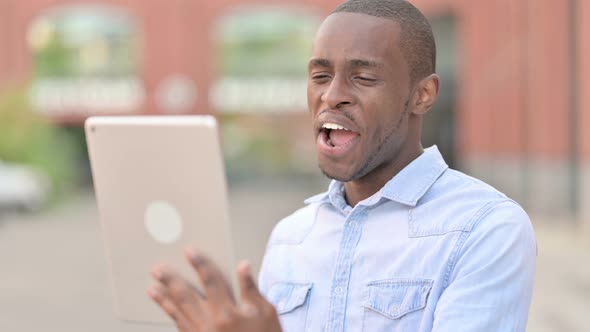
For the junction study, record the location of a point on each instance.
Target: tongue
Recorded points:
(341, 137)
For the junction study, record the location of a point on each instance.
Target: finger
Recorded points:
(166, 275)
(199, 292)
(163, 273)
(160, 296)
(248, 288)
(183, 295)
(217, 289)
(254, 304)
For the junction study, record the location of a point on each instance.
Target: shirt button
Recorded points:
(338, 290)
(281, 305)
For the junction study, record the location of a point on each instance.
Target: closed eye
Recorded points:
(320, 78)
(367, 81)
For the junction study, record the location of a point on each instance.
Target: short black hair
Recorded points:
(416, 40)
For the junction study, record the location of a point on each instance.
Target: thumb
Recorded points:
(248, 288)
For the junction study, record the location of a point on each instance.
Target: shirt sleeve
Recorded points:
(490, 283)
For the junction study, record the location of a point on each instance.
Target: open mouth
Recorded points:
(336, 136)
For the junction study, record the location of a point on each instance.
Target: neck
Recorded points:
(368, 185)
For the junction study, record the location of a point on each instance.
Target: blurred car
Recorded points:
(23, 188)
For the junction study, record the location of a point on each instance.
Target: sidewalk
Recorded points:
(54, 275)
(561, 300)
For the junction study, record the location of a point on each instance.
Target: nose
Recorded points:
(338, 94)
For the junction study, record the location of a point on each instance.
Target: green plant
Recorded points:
(27, 138)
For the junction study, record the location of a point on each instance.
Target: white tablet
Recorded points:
(160, 187)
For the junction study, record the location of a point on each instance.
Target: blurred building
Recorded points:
(514, 109)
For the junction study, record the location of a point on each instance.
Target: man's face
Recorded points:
(358, 91)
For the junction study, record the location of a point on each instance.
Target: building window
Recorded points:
(85, 61)
(262, 64)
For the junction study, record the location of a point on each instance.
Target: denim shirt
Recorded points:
(433, 250)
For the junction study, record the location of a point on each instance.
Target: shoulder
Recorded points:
(500, 240)
(492, 229)
(460, 202)
(293, 229)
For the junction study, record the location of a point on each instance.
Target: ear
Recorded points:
(425, 94)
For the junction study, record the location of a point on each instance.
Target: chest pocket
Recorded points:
(389, 304)
(290, 301)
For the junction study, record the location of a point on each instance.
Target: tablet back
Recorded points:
(160, 187)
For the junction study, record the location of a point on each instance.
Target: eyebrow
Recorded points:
(364, 63)
(320, 62)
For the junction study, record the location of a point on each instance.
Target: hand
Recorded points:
(216, 310)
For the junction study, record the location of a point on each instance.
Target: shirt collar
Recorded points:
(334, 194)
(406, 187)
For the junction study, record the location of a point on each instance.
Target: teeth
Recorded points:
(333, 126)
